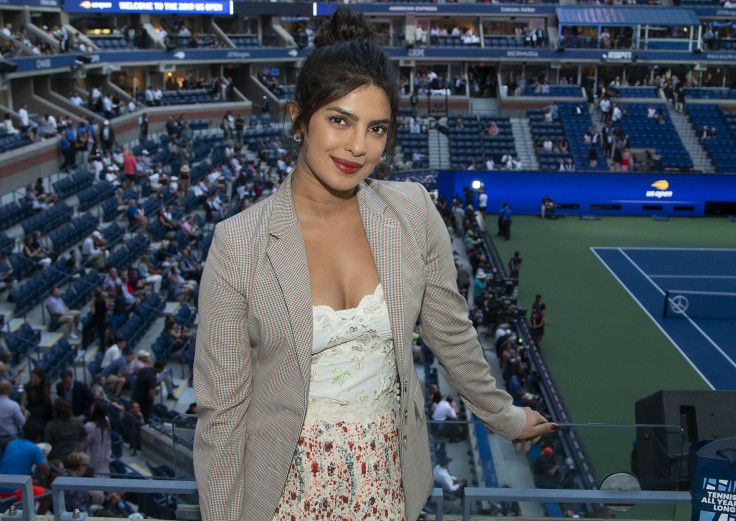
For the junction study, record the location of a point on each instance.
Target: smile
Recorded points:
(345, 166)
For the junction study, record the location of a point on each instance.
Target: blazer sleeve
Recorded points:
(222, 383)
(450, 335)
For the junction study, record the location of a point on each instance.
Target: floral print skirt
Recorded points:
(345, 470)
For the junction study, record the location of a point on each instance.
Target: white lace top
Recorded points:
(353, 364)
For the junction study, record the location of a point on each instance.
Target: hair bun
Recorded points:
(344, 25)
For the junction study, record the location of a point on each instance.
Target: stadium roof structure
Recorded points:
(626, 16)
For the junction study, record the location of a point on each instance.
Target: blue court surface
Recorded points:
(707, 277)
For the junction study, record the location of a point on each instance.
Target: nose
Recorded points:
(356, 143)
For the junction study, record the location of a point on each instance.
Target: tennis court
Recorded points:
(701, 313)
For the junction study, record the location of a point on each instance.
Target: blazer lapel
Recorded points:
(384, 237)
(288, 257)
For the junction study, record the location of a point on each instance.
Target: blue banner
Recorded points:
(179, 55)
(31, 3)
(600, 194)
(475, 9)
(221, 7)
(711, 12)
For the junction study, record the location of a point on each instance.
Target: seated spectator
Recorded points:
(447, 410)
(93, 248)
(21, 457)
(547, 473)
(135, 216)
(116, 373)
(7, 279)
(449, 483)
(57, 308)
(110, 281)
(149, 274)
(173, 334)
(188, 265)
(80, 499)
(98, 386)
(190, 228)
(180, 289)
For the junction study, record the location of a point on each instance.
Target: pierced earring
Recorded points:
(298, 138)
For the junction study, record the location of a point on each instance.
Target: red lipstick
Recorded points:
(345, 166)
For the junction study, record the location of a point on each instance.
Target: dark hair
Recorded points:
(347, 57)
(40, 391)
(62, 411)
(99, 415)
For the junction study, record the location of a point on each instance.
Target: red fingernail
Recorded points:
(555, 427)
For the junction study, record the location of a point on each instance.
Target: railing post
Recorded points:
(28, 512)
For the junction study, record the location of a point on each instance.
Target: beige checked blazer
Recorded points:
(252, 367)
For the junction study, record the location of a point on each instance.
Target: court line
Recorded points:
(661, 248)
(692, 322)
(656, 323)
(693, 276)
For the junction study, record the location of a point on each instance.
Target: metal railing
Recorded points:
(472, 495)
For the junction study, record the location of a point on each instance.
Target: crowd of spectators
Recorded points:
(76, 420)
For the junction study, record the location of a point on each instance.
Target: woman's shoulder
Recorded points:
(404, 196)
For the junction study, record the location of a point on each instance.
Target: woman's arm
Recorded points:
(448, 331)
(222, 379)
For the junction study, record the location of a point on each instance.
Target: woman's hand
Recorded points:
(536, 425)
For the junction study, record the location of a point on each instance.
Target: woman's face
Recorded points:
(35, 379)
(346, 139)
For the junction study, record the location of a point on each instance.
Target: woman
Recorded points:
(98, 443)
(281, 281)
(35, 402)
(173, 334)
(64, 432)
(35, 253)
(80, 499)
(98, 306)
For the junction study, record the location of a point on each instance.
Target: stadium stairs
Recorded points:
(684, 127)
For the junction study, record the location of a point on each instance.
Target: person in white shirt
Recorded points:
(113, 352)
(445, 409)
(651, 112)
(157, 95)
(449, 483)
(506, 161)
(93, 247)
(95, 95)
(547, 144)
(617, 113)
(148, 96)
(482, 201)
(8, 30)
(23, 115)
(516, 164)
(490, 164)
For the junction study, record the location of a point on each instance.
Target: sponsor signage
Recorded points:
(224, 7)
(475, 9)
(31, 3)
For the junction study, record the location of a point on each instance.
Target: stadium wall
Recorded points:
(661, 194)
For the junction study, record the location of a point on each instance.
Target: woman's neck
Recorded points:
(314, 199)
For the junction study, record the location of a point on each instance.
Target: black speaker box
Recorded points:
(661, 456)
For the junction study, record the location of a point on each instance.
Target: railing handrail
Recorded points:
(472, 495)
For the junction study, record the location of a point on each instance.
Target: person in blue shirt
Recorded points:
(116, 373)
(507, 218)
(18, 459)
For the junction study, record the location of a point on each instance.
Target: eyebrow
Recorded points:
(352, 116)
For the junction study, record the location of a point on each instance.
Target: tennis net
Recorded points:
(716, 305)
